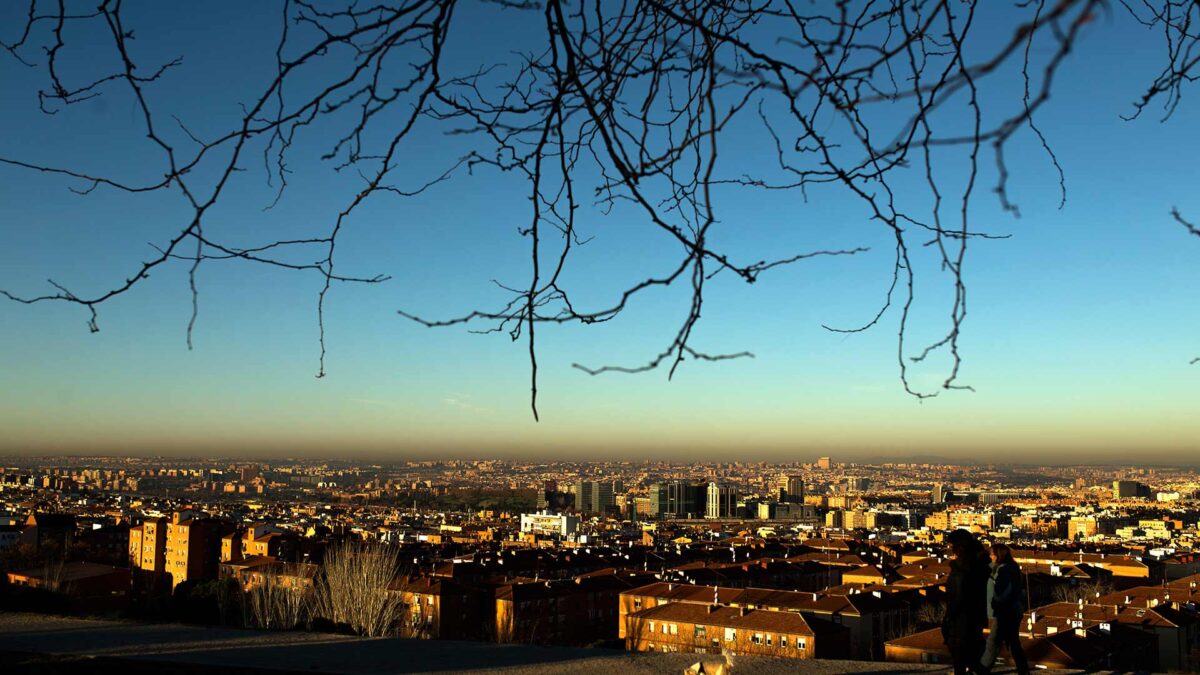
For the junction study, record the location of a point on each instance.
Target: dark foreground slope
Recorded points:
(32, 643)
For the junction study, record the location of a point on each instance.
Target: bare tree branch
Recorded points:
(629, 110)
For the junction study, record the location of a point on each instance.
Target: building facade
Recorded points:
(721, 501)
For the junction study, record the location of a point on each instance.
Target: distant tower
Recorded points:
(594, 496)
(721, 502)
(1126, 489)
(938, 494)
(790, 489)
(824, 463)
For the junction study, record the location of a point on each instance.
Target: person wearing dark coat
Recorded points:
(1006, 605)
(966, 603)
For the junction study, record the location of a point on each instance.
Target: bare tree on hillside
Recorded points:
(351, 588)
(276, 604)
(931, 614)
(1086, 592)
(52, 576)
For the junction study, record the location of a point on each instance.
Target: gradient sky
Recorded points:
(1077, 343)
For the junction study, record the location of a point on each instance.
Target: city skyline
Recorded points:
(641, 561)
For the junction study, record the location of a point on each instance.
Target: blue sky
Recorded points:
(1080, 329)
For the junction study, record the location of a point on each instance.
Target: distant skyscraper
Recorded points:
(1130, 489)
(677, 499)
(791, 489)
(583, 496)
(722, 501)
(592, 496)
(858, 484)
(603, 499)
(824, 463)
(938, 494)
(549, 498)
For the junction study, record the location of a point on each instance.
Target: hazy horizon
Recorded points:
(1028, 457)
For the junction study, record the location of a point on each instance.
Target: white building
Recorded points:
(722, 501)
(550, 523)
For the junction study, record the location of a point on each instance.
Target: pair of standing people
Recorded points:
(982, 591)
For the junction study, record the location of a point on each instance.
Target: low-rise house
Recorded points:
(1124, 567)
(1066, 650)
(90, 586)
(441, 608)
(870, 617)
(576, 611)
(1061, 635)
(713, 629)
(1169, 613)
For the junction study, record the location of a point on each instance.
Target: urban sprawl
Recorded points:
(820, 559)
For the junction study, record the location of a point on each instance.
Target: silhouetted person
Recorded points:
(1006, 604)
(966, 602)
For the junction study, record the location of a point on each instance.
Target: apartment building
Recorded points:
(193, 546)
(441, 608)
(870, 618)
(148, 545)
(713, 629)
(575, 611)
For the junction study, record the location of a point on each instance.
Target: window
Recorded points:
(674, 629)
(652, 629)
(801, 643)
(637, 603)
(783, 641)
(730, 634)
(757, 639)
(664, 627)
(768, 639)
(700, 631)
